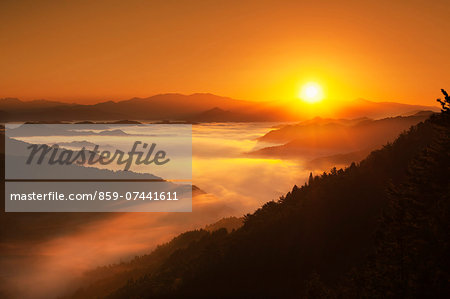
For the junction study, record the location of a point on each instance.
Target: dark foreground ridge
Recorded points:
(373, 230)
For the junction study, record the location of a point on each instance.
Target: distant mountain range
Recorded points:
(362, 107)
(198, 107)
(320, 139)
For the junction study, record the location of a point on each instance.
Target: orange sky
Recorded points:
(258, 50)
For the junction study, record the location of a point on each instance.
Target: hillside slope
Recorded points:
(307, 243)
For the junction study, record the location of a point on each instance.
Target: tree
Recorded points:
(445, 103)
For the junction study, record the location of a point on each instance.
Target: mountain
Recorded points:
(158, 107)
(229, 223)
(195, 107)
(218, 115)
(362, 107)
(341, 160)
(375, 229)
(24, 111)
(16, 104)
(173, 106)
(318, 136)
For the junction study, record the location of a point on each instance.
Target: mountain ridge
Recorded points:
(321, 136)
(176, 106)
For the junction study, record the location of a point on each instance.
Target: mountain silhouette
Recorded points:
(319, 137)
(194, 107)
(371, 109)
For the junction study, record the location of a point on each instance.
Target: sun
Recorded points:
(311, 93)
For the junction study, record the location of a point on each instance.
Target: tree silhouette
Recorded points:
(445, 103)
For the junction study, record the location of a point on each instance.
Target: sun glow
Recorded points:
(311, 93)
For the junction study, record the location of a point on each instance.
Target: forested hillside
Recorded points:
(376, 229)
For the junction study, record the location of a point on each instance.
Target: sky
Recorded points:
(90, 51)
